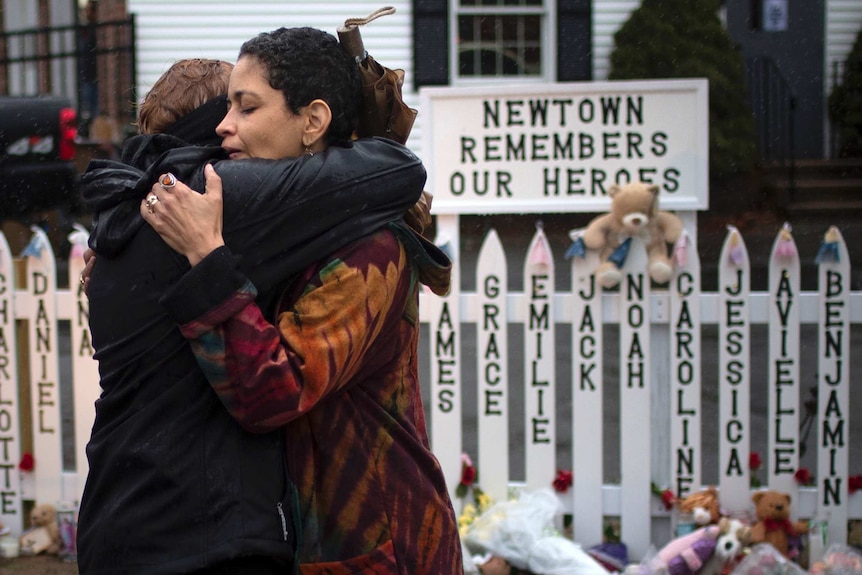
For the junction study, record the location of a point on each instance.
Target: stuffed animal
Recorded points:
(634, 213)
(686, 555)
(733, 537)
(703, 506)
(773, 524)
(44, 533)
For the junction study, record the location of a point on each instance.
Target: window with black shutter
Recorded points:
(530, 40)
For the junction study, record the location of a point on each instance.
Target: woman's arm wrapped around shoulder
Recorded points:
(268, 375)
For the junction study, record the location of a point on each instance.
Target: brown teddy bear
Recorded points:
(44, 533)
(634, 213)
(773, 524)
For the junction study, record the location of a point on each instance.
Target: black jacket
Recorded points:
(175, 484)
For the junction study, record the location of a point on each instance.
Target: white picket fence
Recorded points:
(658, 353)
(659, 356)
(31, 309)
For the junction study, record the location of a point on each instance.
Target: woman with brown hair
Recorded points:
(176, 486)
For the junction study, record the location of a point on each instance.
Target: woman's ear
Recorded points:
(318, 116)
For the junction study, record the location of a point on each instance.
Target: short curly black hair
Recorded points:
(306, 64)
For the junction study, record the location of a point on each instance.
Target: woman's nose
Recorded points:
(225, 127)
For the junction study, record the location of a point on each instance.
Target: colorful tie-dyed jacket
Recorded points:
(339, 373)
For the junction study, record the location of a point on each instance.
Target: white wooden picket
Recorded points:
(40, 309)
(10, 456)
(540, 384)
(635, 399)
(686, 355)
(734, 379)
(587, 398)
(660, 362)
(783, 417)
(833, 386)
(492, 407)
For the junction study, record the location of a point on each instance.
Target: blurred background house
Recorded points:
(105, 54)
(794, 50)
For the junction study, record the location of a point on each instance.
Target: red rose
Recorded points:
(802, 476)
(854, 483)
(754, 461)
(27, 462)
(468, 475)
(668, 499)
(563, 480)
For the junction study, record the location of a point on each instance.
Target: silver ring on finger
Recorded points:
(167, 180)
(152, 200)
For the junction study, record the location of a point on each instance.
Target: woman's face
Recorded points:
(258, 123)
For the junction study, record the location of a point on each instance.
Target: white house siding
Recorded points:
(172, 29)
(22, 14)
(169, 30)
(843, 22)
(608, 16)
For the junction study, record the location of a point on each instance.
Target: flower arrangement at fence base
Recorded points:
(479, 501)
(766, 560)
(521, 532)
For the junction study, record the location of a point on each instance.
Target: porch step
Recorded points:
(825, 186)
(829, 169)
(825, 207)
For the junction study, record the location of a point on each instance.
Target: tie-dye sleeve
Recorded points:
(268, 375)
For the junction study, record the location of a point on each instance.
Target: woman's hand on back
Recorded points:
(189, 222)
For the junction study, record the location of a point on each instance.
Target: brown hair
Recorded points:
(185, 86)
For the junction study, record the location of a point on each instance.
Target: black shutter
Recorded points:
(430, 43)
(574, 40)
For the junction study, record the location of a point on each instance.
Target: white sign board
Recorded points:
(541, 148)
